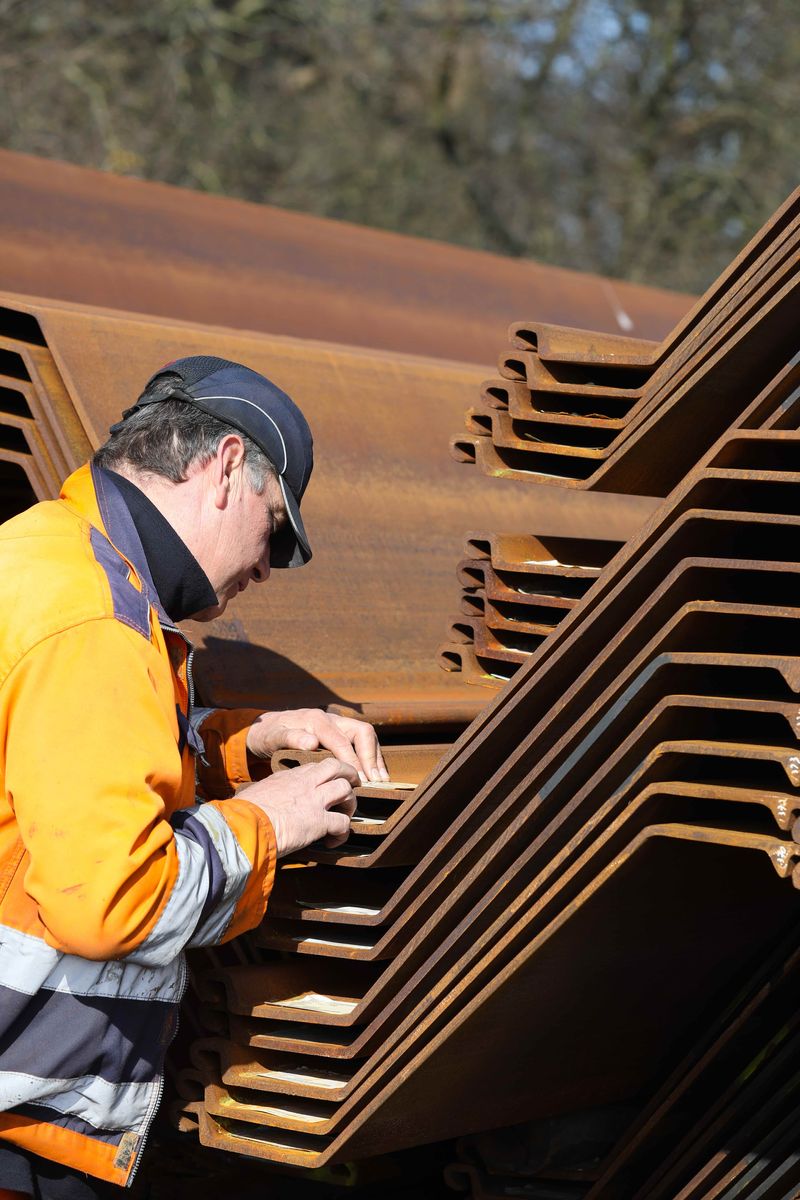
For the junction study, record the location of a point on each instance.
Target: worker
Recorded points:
(131, 827)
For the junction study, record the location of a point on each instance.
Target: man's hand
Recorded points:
(352, 742)
(307, 803)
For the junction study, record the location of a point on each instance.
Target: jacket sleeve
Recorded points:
(226, 766)
(92, 771)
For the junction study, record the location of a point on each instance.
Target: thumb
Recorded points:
(298, 739)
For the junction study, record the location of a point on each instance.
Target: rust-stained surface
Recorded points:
(653, 737)
(88, 236)
(607, 922)
(386, 510)
(515, 590)
(621, 415)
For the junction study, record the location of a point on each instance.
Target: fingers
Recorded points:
(361, 744)
(338, 794)
(333, 739)
(350, 741)
(307, 803)
(339, 800)
(334, 782)
(369, 754)
(353, 742)
(282, 731)
(296, 739)
(338, 829)
(331, 768)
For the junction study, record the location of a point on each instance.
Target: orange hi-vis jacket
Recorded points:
(110, 866)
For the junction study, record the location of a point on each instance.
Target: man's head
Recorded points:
(226, 456)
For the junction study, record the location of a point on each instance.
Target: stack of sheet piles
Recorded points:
(618, 824)
(515, 590)
(41, 439)
(617, 414)
(592, 824)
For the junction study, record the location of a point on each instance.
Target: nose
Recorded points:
(260, 572)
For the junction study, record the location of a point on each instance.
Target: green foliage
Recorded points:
(640, 138)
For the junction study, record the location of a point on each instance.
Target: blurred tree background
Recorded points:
(645, 139)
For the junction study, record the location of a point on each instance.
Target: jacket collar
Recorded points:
(91, 492)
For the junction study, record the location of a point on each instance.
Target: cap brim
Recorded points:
(290, 547)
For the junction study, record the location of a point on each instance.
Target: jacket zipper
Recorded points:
(189, 661)
(159, 1095)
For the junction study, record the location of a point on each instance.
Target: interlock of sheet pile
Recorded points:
(587, 901)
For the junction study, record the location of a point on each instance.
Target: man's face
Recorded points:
(240, 554)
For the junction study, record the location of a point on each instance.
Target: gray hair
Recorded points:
(170, 437)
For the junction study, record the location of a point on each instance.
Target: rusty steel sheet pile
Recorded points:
(91, 237)
(385, 507)
(41, 438)
(515, 590)
(626, 416)
(574, 909)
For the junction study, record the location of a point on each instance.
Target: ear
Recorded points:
(226, 468)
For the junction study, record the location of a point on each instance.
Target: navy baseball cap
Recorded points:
(254, 405)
